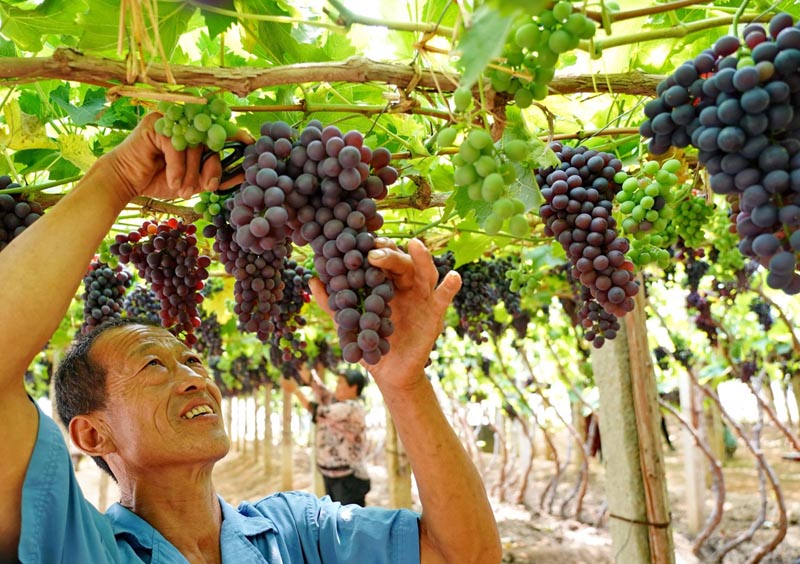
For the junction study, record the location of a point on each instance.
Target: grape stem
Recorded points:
(537, 241)
(33, 188)
(306, 107)
(347, 18)
(737, 15)
(642, 12)
(597, 47)
(258, 17)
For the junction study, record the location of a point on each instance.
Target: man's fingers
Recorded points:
(191, 178)
(397, 264)
(424, 268)
(176, 166)
(320, 295)
(211, 173)
(385, 243)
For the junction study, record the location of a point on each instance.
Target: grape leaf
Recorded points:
(121, 114)
(26, 28)
(482, 42)
(467, 246)
(100, 26)
(85, 114)
(275, 42)
(7, 48)
(218, 23)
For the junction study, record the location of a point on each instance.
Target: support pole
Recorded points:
(632, 455)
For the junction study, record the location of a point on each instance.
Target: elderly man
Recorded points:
(151, 414)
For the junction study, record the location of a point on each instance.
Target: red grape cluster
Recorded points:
(296, 294)
(739, 105)
(16, 213)
(259, 286)
(484, 285)
(167, 257)
(319, 188)
(209, 337)
(103, 294)
(578, 197)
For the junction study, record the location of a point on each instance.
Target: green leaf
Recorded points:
(31, 103)
(444, 12)
(464, 205)
(7, 48)
(275, 42)
(441, 178)
(120, 115)
(35, 160)
(26, 28)
(525, 188)
(100, 26)
(466, 246)
(482, 42)
(85, 114)
(218, 23)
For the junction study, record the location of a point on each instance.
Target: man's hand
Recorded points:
(418, 309)
(148, 165)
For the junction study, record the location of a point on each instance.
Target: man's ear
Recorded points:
(90, 435)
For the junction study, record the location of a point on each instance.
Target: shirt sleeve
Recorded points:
(330, 533)
(58, 523)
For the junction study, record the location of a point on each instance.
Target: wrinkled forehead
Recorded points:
(121, 344)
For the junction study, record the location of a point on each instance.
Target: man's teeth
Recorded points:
(199, 410)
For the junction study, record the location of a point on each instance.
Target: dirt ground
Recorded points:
(531, 535)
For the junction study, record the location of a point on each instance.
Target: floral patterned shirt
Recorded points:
(341, 435)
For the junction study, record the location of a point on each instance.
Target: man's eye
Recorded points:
(194, 359)
(154, 362)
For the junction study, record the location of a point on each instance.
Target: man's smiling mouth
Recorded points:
(198, 411)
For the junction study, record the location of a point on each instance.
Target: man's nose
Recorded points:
(189, 380)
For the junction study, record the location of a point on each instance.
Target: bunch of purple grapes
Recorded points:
(764, 313)
(167, 257)
(142, 302)
(259, 284)
(296, 294)
(103, 294)
(703, 320)
(319, 188)
(577, 207)
(209, 337)
(484, 285)
(16, 213)
(695, 270)
(739, 105)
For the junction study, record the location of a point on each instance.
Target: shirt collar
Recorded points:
(248, 522)
(126, 521)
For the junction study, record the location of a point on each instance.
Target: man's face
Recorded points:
(345, 391)
(163, 408)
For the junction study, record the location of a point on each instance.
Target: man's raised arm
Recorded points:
(457, 522)
(41, 269)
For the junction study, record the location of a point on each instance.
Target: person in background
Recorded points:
(341, 433)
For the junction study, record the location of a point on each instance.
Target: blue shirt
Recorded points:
(59, 525)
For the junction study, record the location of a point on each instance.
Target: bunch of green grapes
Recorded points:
(727, 257)
(486, 170)
(531, 54)
(525, 279)
(210, 205)
(691, 217)
(644, 199)
(190, 125)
